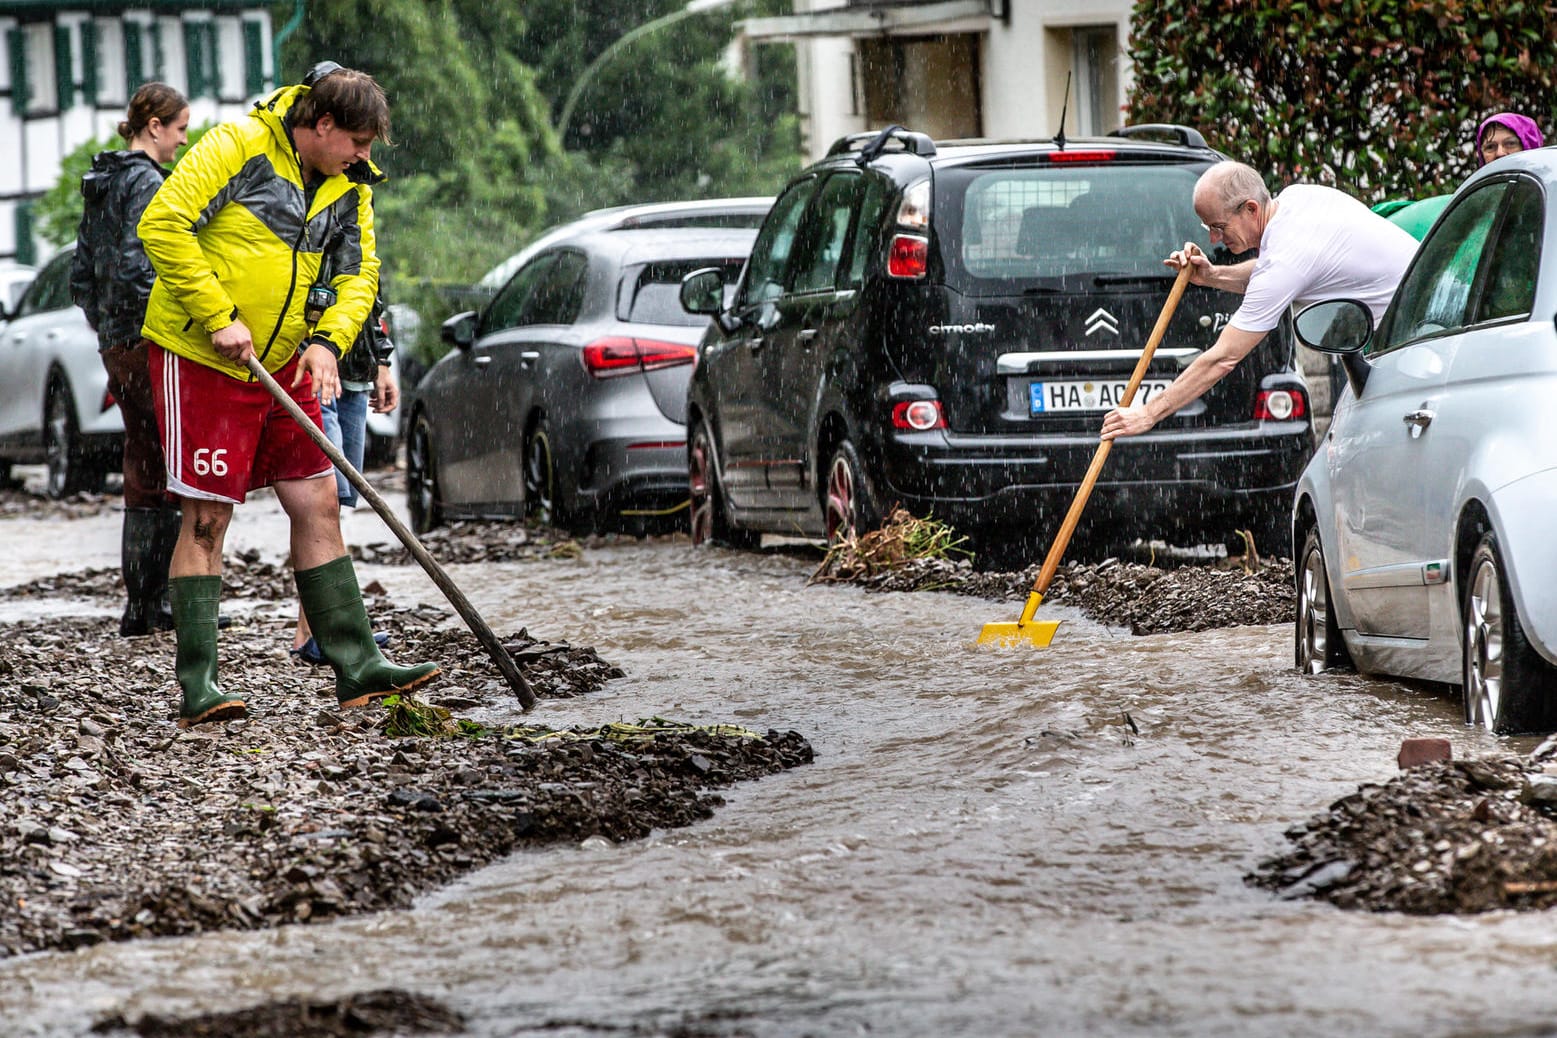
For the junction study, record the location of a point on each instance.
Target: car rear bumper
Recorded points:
(634, 470)
(1172, 481)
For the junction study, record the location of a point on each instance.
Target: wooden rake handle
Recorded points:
(1051, 563)
(505, 663)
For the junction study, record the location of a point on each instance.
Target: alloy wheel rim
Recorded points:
(56, 446)
(1484, 646)
(419, 473)
(538, 475)
(1314, 613)
(702, 499)
(840, 500)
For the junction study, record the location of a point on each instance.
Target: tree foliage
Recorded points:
(1378, 97)
(58, 211)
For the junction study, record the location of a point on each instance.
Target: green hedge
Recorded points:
(1378, 97)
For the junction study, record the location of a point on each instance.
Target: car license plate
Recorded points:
(1088, 394)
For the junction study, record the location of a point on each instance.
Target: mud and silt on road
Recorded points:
(115, 824)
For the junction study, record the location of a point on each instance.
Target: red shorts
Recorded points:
(223, 437)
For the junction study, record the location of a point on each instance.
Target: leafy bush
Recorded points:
(59, 209)
(1377, 97)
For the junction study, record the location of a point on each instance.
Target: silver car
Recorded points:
(1422, 521)
(564, 399)
(54, 401)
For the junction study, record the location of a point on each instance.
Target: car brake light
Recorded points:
(918, 415)
(909, 256)
(108, 400)
(1079, 156)
(1279, 405)
(623, 355)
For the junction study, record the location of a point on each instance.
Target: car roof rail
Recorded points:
(1187, 136)
(873, 143)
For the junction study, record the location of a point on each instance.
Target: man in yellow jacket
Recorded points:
(261, 215)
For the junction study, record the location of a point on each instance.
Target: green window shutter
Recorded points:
(159, 60)
(25, 251)
(89, 83)
(134, 55)
(21, 88)
(194, 48)
(253, 58)
(64, 70)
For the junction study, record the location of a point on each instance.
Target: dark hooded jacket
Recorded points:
(110, 276)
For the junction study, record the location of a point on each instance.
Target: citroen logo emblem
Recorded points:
(1101, 320)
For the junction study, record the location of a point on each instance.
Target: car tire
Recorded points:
(542, 490)
(710, 518)
(421, 478)
(1506, 686)
(1317, 644)
(71, 467)
(848, 507)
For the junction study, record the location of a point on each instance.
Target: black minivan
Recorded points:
(942, 325)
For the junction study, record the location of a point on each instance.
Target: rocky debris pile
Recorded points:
(28, 501)
(1146, 599)
(245, 575)
(301, 811)
(385, 1012)
(1443, 837)
(477, 541)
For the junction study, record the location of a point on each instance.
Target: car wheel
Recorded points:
(710, 515)
(540, 475)
(1507, 687)
(421, 478)
(70, 468)
(847, 503)
(1317, 643)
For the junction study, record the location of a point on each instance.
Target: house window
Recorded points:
(109, 75)
(34, 89)
(1095, 57)
(200, 59)
(254, 57)
(64, 68)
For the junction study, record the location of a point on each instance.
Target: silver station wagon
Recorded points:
(1424, 528)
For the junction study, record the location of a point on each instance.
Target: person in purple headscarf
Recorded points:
(1504, 134)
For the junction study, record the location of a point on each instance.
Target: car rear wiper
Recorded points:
(1133, 279)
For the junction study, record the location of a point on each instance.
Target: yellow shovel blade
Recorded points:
(1038, 633)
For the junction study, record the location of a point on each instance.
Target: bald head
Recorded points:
(1227, 185)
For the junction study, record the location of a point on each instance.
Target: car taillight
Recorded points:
(914, 210)
(909, 256)
(1079, 156)
(1280, 405)
(918, 415)
(108, 400)
(623, 354)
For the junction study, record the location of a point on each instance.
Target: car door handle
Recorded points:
(529, 356)
(482, 361)
(1421, 419)
(754, 343)
(52, 334)
(807, 334)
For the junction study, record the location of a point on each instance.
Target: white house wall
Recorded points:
(33, 145)
(1023, 61)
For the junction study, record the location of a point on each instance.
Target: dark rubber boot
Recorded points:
(168, 523)
(332, 601)
(144, 552)
(195, 602)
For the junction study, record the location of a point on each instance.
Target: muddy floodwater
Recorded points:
(990, 842)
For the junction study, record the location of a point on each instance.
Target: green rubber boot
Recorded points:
(195, 602)
(332, 601)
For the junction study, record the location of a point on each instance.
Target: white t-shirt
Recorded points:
(1322, 244)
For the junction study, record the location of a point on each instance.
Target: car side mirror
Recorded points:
(1341, 327)
(702, 291)
(459, 331)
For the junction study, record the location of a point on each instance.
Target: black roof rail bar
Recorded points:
(1186, 135)
(876, 142)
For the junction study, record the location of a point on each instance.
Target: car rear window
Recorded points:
(651, 293)
(1040, 223)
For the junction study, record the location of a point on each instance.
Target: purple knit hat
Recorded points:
(1522, 126)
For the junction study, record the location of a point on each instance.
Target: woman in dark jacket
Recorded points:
(110, 278)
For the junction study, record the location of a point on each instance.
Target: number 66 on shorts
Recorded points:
(223, 436)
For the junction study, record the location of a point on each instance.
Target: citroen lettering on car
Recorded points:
(977, 328)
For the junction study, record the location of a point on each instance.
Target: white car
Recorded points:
(14, 279)
(1423, 521)
(54, 401)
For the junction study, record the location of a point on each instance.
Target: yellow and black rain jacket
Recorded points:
(233, 235)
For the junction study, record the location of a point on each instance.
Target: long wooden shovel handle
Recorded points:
(505, 662)
(1051, 563)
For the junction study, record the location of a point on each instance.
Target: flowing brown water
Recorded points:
(983, 847)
